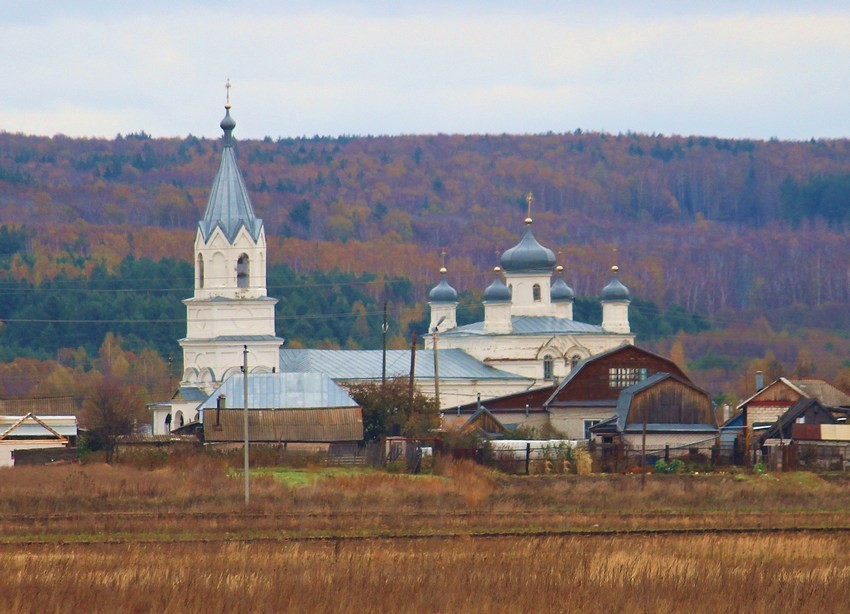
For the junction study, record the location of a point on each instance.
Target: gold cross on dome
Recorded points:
(227, 88)
(529, 198)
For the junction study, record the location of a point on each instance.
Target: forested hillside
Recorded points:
(732, 230)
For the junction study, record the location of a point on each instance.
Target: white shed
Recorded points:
(30, 432)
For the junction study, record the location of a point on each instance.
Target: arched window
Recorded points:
(200, 271)
(574, 361)
(535, 293)
(243, 272)
(548, 368)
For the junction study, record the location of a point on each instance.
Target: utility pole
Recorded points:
(412, 368)
(245, 415)
(434, 332)
(643, 452)
(384, 328)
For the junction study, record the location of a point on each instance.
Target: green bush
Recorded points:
(673, 466)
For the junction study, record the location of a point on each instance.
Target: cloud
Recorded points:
(386, 68)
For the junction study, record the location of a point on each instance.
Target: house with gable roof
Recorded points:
(587, 396)
(770, 402)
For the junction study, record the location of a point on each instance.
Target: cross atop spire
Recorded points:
(529, 198)
(227, 96)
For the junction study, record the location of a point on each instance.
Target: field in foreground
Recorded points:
(786, 573)
(112, 539)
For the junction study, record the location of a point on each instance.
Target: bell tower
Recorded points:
(230, 308)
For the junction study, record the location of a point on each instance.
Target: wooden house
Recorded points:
(483, 422)
(513, 410)
(664, 412)
(809, 434)
(282, 408)
(767, 405)
(801, 421)
(587, 396)
(590, 393)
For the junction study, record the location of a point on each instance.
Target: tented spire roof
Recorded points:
(229, 206)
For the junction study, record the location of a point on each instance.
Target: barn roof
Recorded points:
(781, 381)
(30, 426)
(823, 391)
(574, 373)
(45, 406)
(280, 391)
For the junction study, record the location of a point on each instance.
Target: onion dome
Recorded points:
(615, 290)
(528, 255)
(228, 124)
(561, 292)
(497, 292)
(442, 292)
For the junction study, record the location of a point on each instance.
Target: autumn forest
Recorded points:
(734, 250)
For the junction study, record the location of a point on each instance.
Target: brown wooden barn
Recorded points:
(668, 412)
(587, 396)
(590, 393)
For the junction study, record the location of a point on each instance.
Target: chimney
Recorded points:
(759, 381)
(220, 403)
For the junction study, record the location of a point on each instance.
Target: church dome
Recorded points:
(528, 255)
(443, 292)
(497, 292)
(615, 290)
(228, 123)
(561, 292)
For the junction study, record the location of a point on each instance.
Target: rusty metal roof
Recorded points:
(46, 406)
(328, 424)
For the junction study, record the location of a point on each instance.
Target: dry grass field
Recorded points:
(179, 538)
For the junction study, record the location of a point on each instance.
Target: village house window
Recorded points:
(535, 292)
(587, 425)
(548, 368)
(242, 271)
(626, 376)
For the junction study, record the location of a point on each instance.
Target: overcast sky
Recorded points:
(719, 68)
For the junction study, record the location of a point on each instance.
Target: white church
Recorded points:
(528, 338)
(528, 326)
